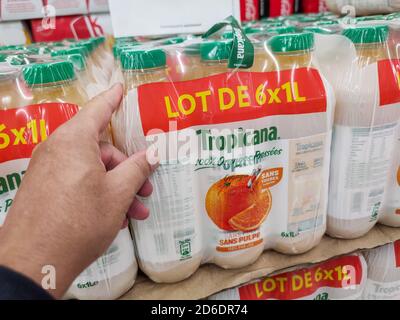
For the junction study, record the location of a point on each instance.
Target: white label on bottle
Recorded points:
(118, 258)
(367, 6)
(359, 167)
(375, 290)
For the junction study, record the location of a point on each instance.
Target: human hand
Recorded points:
(74, 198)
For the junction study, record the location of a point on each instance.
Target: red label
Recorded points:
(389, 81)
(310, 6)
(281, 8)
(397, 253)
(23, 128)
(77, 27)
(230, 97)
(249, 10)
(335, 273)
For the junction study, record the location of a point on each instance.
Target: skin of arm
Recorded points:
(74, 198)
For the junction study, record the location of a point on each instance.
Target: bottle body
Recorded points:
(173, 224)
(363, 141)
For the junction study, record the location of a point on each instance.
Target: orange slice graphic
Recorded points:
(252, 217)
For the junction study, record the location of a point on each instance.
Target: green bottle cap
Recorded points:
(77, 59)
(15, 48)
(367, 34)
(143, 59)
(320, 30)
(127, 46)
(282, 30)
(326, 23)
(38, 50)
(252, 30)
(17, 60)
(49, 72)
(70, 50)
(308, 19)
(89, 45)
(276, 24)
(215, 50)
(293, 17)
(393, 16)
(370, 18)
(292, 42)
(192, 49)
(125, 39)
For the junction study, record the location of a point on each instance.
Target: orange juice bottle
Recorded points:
(114, 272)
(173, 219)
(307, 182)
(364, 138)
(13, 95)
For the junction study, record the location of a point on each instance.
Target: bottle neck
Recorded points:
(293, 60)
(14, 94)
(214, 62)
(52, 86)
(65, 92)
(7, 82)
(134, 78)
(368, 53)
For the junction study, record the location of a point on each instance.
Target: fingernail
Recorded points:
(152, 156)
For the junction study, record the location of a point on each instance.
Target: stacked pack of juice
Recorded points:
(369, 275)
(268, 135)
(243, 134)
(42, 86)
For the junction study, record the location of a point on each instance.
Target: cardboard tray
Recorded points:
(209, 279)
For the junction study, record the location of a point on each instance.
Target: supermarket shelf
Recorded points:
(210, 279)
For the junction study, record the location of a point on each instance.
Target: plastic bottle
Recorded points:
(214, 57)
(364, 138)
(14, 94)
(114, 272)
(100, 72)
(111, 275)
(83, 75)
(169, 242)
(308, 175)
(383, 272)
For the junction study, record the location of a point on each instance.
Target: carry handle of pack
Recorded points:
(242, 52)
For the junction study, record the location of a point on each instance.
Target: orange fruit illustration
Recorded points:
(398, 176)
(238, 203)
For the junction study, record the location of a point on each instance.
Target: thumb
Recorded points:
(96, 114)
(129, 176)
